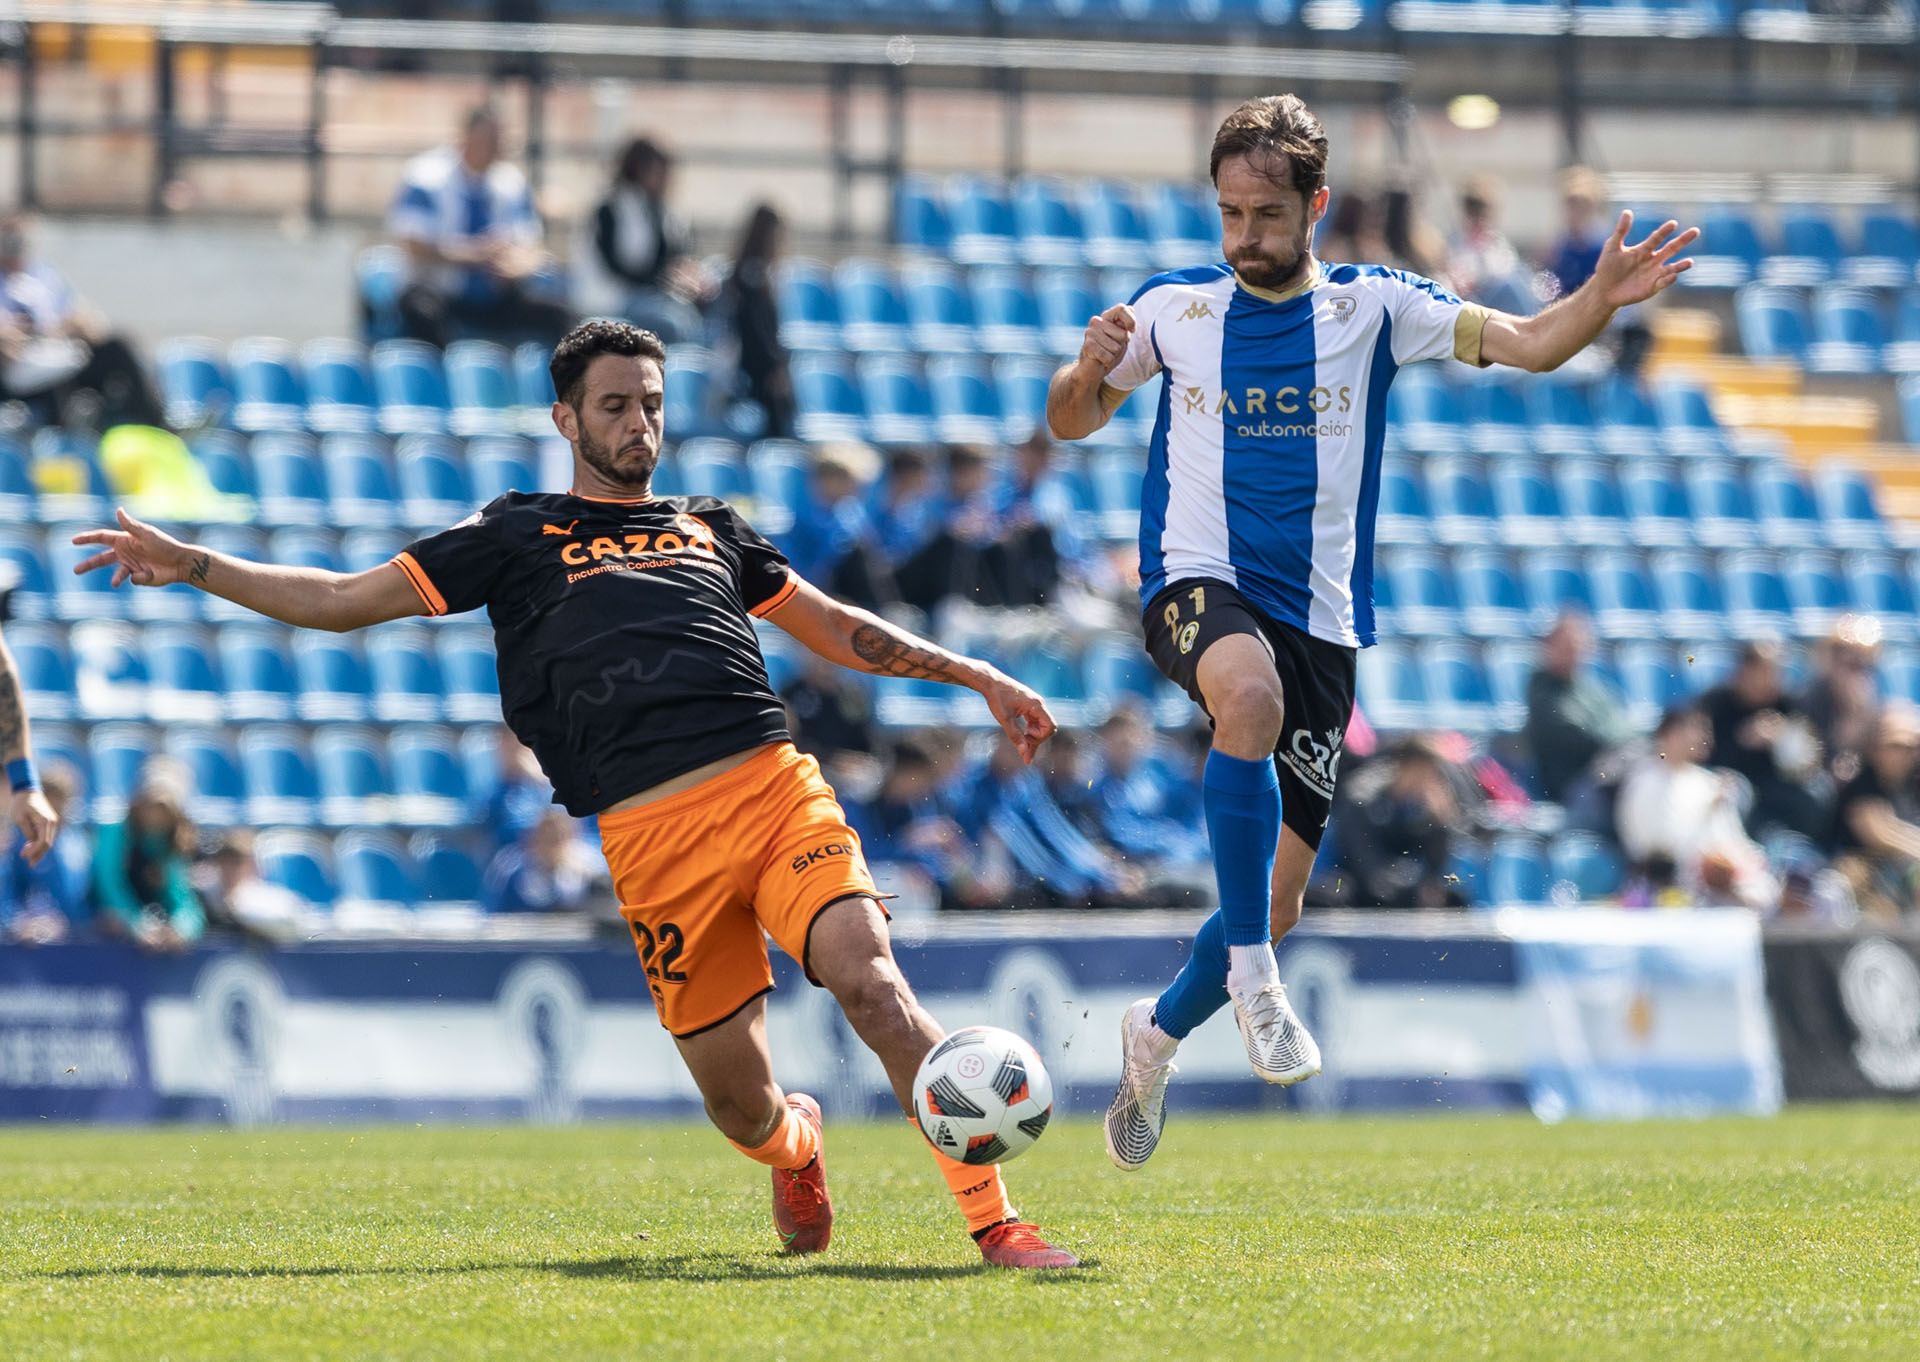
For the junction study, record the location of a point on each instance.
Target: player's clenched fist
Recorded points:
(1106, 338)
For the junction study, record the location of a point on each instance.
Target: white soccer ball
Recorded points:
(982, 1095)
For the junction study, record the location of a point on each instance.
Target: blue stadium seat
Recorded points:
(830, 407)
(711, 468)
(695, 391)
(219, 793)
(23, 561)
(375, 873)
(1723, 510)
(1492, 604)
(1185, 228)
(1848, 334)
(1495, 411)
(239, 541)
(109, 670)
(1757, 602)
(1688, 425)
(268, 391)
(1773, 323)
(277, 768)
(339, 387)
(1463, 511)
(227, 462)
(430, 476)
(1424, 413)
(533, 386)
(1554, 582)
(1652, 679)
(1810, 251)
(873, 313)
(1008, 314)
(1561, 411)
(355, 784)
(1818, 590)
(1066, 303)
(1588, 866)
(982, 223)
(1457, 687)
(778, 471)
(359, 481)
(1851, 508)
(334, 682)
(381, 273)
(361, 550)
(809, 308)
(193, 380)
(899, 407)
(1656, 498)
(306, 548)
(19, 498)
(966, 405)
(256, 668)
(429, 784)
(449, 875)
(499, 466)
(472, 676)
(183, 677)
(1022, 383)
(116, 752)
(88, 597)
(1623, 597)
(1048, 221)
(1117, 478)
(292, 483)
(1421, 589)
(939, 310)
(1888, 250)
(1116, 230)
(407, 685)
(481, 389)
(1115, 665)
(410, 387)
(1517, 873)
(1908, 395)
(1899, 674)
(1734, 252)
(1404, 515)
(1051, 669)
(1691, 601)
(910, 702)
(1789, 517)
(1626, 424)
(1879, 584)
(298, 861)
(45, 669)
(1528, 502)
(1510, 665)
(1392, 688)
(1901, 353)
(920, 218)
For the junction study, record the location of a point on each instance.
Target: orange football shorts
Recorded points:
(706, 875)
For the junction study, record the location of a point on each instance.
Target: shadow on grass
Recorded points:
(677, 1267)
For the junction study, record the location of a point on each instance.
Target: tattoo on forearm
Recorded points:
(197, 574)
(893, 652)
(13, 714)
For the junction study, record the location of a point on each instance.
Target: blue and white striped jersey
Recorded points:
(1264, 471)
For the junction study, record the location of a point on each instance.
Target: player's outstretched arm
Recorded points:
(863, 641)
(1079, 401)
(1625, 275)
(29, 809)
(307, 597)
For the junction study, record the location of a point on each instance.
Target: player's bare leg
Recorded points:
(732, 1068)
(848, 951)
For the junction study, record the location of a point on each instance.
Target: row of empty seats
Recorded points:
(1832, 331)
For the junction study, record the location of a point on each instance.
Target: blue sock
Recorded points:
(1200, 989)
(1241, 799)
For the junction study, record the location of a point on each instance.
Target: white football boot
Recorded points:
(1278, 1044)
(1139, 1109)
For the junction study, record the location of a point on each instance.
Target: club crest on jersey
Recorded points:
(1342, 308)
(1196, 309)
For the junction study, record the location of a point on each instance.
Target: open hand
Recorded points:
(1021, 714)
(1632, 274)
(140, 554)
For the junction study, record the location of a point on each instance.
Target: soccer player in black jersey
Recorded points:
(629, 664)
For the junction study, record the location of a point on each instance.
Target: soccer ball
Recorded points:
(982, 1095)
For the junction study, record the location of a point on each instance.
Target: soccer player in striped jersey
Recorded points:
(1256, 535)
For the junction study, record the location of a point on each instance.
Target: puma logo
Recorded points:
(555, 529)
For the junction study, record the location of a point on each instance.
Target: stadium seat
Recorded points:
(109, 670)
(298, 861)
(1457, 687)
(183, 680)
(809, 309)
(695, 391)
(1818, 592)
(1008, 314)
(1492, 604)
(1810, 250)
(375, 873)
(1116, 478)
(339, 387)
(410, 387)
(1048, 221)
(227, 462)
(256, 670)
(359, 481)
(355, 784)
(277, 770)
(1773, 323)
(429, 784)
(449, 876)
(910, 702)
(1789, 517)
(45, 669)
(193, 381)
(481, 389)
(778, 470)
(830, 407)
(1850, 507)
(1652, 679)
(499, 466)
(430, 476)
(381, 272)
(1560, 410)
(1656, 498)
(19, 498)
(1116, 231)
(1723, 510)
(1421, 590)
(1424, 413)
(219, 793)
(1022, 383)
(1404, 515)
(319, 549)
(1908, 395)
(468, 664)
(1554, 582)
(1734, 253)
(267, 387)
(1049, 668)
(1066, 302)
(1879, 584)
(1517, 873)
(291, 480)
(58, 745)
(1115, 665)
(920, 218)
(116, 752)
(405, 670)
(1888, 250)
(1463, 510)
(709, 468)
(939, 310)
(1392, 688)
(23, 561)
(1510, 665)
(899, 407)
(1184, 226)
(1690, 598)
(966, 405)
(1848, 334)
(1901, 353)
(533, 386)
(873, 312)
(1587, 866)
(1495, 411)
(1688, 425)
(982, 223)
(88, 597)
(361, 550)
(1527, 501)
(334, 683)
(1758, 606)
(1623, 597)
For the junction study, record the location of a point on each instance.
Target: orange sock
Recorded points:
(792, 1145)
(978, 1189)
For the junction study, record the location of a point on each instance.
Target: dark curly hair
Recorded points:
(1281, 126)
(587, 342)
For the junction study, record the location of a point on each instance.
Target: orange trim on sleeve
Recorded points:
(429, 596)
(778, 599)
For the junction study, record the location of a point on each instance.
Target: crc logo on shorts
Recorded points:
(827, 851)
(1314, 762)
(1188, 633)
(1342, 308)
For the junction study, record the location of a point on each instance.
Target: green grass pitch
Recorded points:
(1252, 1237)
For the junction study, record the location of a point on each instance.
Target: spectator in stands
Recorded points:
(1397, 816)
(472, 234)
(56, 350)
(753, 313)
(1572, 717)
(1413, 243)
(833, 540)
(830, 708)
(1843, 699)
(1055, 863)
(549, 870)
(46, 902)
(909, 824)
(238, 899)
(1042, 538)
(142, 889)
(637, 260)
(904, 506)
(1481, 261)
(1353, 229)
(520, 797)
(1570, 261)
(1876, 824)
(1760, 732)
(1138, 808)
(1679, 823)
